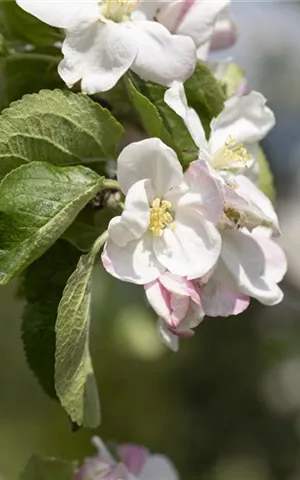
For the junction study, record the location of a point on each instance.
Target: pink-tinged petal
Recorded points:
(133, 456)
(199, 20)
(194, 315)
(60, 14)
(225, 31)
(168, 338)
(149, 159)
(134, 221)
(134, 263)
(276, 263)
(191, 248)
(179, 305)
(204, 191)
(180, 286)
(158, 467)
(162, 57)
(220, 300)
(160, 299)
(245, 118)
(98, 53)
(176, 99)
(246, 263)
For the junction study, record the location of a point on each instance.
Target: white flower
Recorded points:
(169, 218)
(231, 150)
(250, 264)
(207, 22)
(135, 463)
(106, 38)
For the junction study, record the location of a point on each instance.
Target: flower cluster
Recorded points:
(200, 241)
(133, 463)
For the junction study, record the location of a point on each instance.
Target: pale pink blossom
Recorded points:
(134, 463)
(176, 301)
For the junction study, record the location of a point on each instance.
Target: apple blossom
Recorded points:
(134, 463)
(208, 23)
(169, 219)
(177, 303)
(106, 38)
(230, 151)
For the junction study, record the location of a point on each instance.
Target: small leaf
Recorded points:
(42, 286)
(37, 203)
(74, 376)
(160, 120)
(48, 469)
(265, 177)
(205, 94)
(61, 128)
(18, 25)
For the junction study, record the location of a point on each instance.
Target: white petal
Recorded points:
(162, 57)
(158, 467)
(220, 300)
(276, 263)
(148, 8)
(168, 338)
(258, 204)
(175, 98)
(59, 14)
(204, 193)
(245, 118)
(192, 248)
(134, 221)
(245, 260)
(151, 159)
(98, 53)
(134, 263)
(200, 19)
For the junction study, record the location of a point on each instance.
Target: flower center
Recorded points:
(233, 155)
(159, 216)
(118, 10)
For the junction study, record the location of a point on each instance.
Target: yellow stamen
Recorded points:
(233, 155)
(159, 216)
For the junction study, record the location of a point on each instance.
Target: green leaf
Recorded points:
(22, 73)
(74, 376)
(161, 121)
(42, 286)
(37, 203)
(48, 469)
(265, 177)
(61, 128)
(19, 26)
(205, 94)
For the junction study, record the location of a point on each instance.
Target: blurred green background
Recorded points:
(227, 406)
